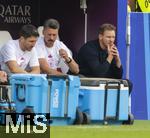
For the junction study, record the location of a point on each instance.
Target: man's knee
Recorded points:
(130, 84)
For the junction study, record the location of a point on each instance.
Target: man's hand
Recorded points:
(3, 76)
(73, 66)
(64, 54)
(110, 53)
(115, 53)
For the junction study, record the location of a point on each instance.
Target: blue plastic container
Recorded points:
(30, 91)
(4, 108)
(64, 93)
(101, 104)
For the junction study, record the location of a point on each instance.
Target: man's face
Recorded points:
(28, 43)
(107, 38)
(50, 35)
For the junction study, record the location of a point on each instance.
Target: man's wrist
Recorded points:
(110, 58)
(69, 60)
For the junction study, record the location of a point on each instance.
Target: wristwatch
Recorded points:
(69, 61)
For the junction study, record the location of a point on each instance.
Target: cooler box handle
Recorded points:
(111, 85)
(21, 92)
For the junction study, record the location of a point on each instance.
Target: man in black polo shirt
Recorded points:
(100, 57)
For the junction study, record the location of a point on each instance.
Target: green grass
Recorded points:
(140, 129)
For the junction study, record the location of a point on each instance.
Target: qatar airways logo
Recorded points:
(15, 13)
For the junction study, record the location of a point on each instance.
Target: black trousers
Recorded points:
(130, 84)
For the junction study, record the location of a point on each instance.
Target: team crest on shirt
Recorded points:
(21, 61)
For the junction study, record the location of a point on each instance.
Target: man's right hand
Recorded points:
(110, 53)
(114, 53)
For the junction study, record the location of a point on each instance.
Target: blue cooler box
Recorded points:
(30, 91)
(64, 94)
(104, 99)
(6, 105)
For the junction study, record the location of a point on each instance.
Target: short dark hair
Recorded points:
(105, 27)
(28, 31)
(51, 23)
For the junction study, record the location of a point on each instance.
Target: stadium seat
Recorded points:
(40, 30)
(4, 37)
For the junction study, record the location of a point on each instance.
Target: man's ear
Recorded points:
(100, 36)
(22, 38)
